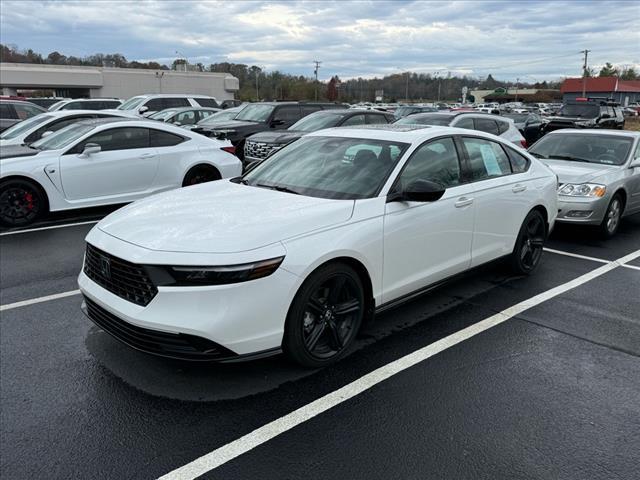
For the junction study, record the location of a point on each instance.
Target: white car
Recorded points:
(34, 128)
(85, 104)
(145, 105)
(494, 124)
(302, 249)
(105, 161)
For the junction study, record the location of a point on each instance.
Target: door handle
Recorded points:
(463, 202)
(518, 188)
(147, 155)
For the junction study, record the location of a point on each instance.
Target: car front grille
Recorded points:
(124, 279)
(173, 345)
(259, 150)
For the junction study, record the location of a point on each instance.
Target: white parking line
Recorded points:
(52, 227)
(575, 255)
(228, 452)
(32, 301)
(626, 265)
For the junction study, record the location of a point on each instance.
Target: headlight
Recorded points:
(221, 275)
(584, 124)
(582, 190)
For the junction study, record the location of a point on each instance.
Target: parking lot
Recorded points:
(491, 376)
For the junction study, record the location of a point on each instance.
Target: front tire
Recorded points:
(611, 221)
(527, 252)
(21, 202)
(325, 316)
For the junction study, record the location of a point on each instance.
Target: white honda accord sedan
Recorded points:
(105, 161)
(302, 249)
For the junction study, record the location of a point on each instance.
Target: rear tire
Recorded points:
(201, 174)
(325, 316)
(21, 202)
(611, 220)
(527, 251)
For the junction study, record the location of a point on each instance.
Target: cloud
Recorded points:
(535, 39)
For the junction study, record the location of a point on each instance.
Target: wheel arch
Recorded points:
(201, 164)
(545, 214)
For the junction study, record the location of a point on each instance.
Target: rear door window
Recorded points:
(186, 118)
(206, 102)
(288, 113)
(502, 126)
(355, 120)
(173, 102)
(376, 119)
(486, 125)
(487, 159)
(465, 122)
(6, 111)
(307, 109)
(519, 163)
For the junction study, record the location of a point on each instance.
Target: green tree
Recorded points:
(608, 71)
(629, 74)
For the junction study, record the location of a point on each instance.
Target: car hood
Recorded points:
(570, 119)
(222, 217)
(577, 172)
(15, 151)
(276, 136)
(228, 124)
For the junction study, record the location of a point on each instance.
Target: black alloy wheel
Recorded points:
(200, 174)
(20, 203)
(611, 221)
(325, 316)
(529, 244)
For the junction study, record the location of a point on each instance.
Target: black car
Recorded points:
(44, 102)
(14, 111)
(530, 125)
(259, 146)
(260, 117)
(590, 113)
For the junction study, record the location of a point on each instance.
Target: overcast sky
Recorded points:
(532, 40)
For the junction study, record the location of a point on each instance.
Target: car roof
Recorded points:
(602, 132)
(394, 132)
(182, 109)
(11, 100)
(179, 95)
(100, 121)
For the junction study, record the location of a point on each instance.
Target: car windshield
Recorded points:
(426, 119)
(585, 110)
(602, 149)
(162, 115)
(229, 114)
(317, 121)
(255, 113)
(329, 167)
(56, 105)
(132, 103)
(24, 126)
(63, 137)
(517, 117)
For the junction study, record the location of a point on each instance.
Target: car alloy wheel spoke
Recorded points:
(316, 306)
(345, 308)
(336, 340)
(314, 336)
(537, 242)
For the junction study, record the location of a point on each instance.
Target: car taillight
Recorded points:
(230, 149)
(523, 142)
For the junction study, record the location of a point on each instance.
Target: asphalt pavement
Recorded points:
(553, 392)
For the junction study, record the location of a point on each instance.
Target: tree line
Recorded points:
(256, 83)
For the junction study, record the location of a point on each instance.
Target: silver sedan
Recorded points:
(598, 175)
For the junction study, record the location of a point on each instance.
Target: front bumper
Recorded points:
(585, 211)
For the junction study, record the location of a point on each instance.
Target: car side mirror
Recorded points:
(143, 109)
(635, 163)
(46, 134)
(90, 149)
(420, 191)
(277, 122)
(177, 123)
(605, 115)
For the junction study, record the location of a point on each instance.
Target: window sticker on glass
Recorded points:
(490, 161)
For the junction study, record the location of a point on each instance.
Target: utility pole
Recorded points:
(257, 87)
(315, 72)
(406, 90)
(439, 84)
(584, 72)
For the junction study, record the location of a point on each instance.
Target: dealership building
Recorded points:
(622, 91)
(106, 82)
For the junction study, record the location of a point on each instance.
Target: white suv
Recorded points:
(145, 105)
(494, 124)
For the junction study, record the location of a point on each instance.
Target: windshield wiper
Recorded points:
(538, 155)
(279, 188)
(567, 157)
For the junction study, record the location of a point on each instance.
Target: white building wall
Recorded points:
(117, 82)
